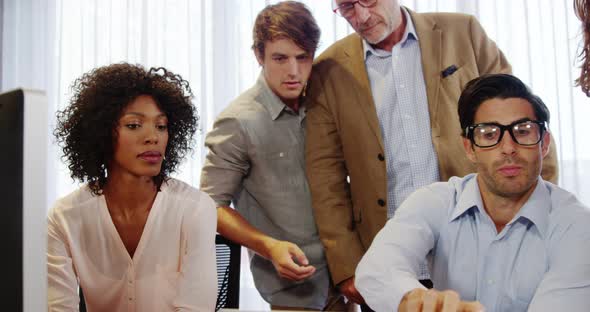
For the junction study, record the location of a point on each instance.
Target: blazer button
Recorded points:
(381, 202)
(380, 157)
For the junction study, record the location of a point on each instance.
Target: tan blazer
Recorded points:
(344, 139)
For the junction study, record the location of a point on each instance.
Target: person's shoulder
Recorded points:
(194, 205)
(69, 205)
(335, 63)
(246, 107)
(444, 20)
(180, 189)
(338, 50)
(566, 208)
(455, 186)
(444, 193)
(444, 17)
(449, 194)
(183, 191)
(568, 217)
(245, 103)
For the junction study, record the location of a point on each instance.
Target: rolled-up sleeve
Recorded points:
(227, 161)
(391, 266)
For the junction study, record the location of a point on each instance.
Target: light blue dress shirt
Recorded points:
(540, 261)
(399, 93)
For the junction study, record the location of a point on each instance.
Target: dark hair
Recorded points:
(85, 128)
(287, 19)
(582, 9)
(500, 86)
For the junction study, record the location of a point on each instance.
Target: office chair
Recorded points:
(228, 273)
(82, 306)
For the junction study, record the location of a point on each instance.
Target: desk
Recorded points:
(238, 310)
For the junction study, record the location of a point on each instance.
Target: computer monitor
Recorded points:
(23, 154)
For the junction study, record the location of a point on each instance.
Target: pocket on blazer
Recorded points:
(458, 79)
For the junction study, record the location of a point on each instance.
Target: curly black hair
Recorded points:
(85, 128)
(582, 9)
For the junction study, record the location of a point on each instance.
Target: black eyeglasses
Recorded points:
(523, 132)
(346, 9)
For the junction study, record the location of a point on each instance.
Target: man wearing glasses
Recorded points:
(503, 238)
(382, 123)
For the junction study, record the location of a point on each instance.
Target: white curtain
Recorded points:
(46, 44)
(29, 60)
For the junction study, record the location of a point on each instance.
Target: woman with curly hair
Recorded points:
(132, 238)
(582, 9)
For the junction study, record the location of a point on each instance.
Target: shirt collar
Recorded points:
(409, 33)
(469, 198)
(536, 209)
(270, 100)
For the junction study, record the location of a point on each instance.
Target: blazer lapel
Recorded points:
(356, 60)
(430, 39)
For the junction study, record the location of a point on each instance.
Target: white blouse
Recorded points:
(173, 268)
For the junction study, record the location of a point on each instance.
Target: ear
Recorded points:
(259, 58)
(545, 143)
(468, 147)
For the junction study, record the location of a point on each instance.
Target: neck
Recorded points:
(293, 104)
(396, 36)
(127, 196)
(500, 208)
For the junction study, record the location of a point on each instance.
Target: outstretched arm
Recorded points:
(287, 258)
(388, 273)
(225, 167)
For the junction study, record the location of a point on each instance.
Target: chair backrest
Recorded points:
(82, 306)
(228, 273)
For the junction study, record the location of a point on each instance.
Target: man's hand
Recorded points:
(237, 229)
(348, 289)
(431, 300)
(290, 261)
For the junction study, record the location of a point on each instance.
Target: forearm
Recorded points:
(234, 227)
(386, 273)
(391, 266)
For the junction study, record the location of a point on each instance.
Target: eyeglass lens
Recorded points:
(524, 133)
(346, 9)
